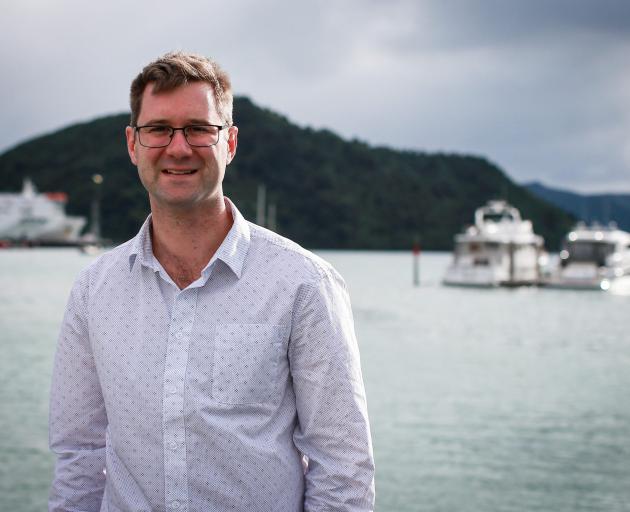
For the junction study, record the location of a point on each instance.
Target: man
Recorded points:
(207, 364)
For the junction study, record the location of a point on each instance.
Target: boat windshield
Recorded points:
(498, 217)
(587, 251)
(468, 247)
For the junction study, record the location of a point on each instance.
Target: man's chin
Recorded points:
(182, 202)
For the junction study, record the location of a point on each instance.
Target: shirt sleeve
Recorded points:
(333, 429)
(77, 414)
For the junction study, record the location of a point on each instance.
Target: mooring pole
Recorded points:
(416, 264)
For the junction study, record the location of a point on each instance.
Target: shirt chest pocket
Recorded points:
(247, 362)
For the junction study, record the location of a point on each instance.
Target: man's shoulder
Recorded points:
(100, 271)
(279, 250)
(111, 260)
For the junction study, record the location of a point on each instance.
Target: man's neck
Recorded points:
(185, 241)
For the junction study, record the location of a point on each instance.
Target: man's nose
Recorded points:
(179, 145)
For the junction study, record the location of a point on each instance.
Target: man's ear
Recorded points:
(232, 143)
(130, 133)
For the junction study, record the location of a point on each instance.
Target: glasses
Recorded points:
(197, 135)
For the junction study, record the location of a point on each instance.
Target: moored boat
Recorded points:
(32, 218)
(500, 249)
(594, 258)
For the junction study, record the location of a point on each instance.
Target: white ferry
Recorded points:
(594, 257)
(500, 249)
(33, 218)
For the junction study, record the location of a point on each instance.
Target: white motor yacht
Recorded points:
(500, 249)
(594, 257)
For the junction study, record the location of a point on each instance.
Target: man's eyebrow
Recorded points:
(155, 121)
(188, 123)
(200, 121)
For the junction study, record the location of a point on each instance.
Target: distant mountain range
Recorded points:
(600, 208)
(329, 192)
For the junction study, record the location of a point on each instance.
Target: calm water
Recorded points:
(480, 400)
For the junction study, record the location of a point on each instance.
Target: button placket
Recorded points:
(175, 470)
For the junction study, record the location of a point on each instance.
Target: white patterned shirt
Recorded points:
(241, 392)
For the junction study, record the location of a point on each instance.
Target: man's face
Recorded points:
(181, 176)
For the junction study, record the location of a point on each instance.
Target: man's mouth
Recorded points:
(179, 172)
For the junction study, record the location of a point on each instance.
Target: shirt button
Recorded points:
(175, 504)
(172, 390)
(172, 445)
(179, 335)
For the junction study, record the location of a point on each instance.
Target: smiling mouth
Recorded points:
(179, 173)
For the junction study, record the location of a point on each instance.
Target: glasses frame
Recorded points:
(183, 130)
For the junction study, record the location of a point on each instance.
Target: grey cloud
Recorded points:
(470, 23)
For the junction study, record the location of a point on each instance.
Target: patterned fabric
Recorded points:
(241, 392)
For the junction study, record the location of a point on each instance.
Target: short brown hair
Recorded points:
(178, 68)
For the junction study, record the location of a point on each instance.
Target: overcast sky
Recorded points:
(540, 87)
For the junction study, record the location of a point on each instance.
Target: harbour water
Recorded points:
(479, 400)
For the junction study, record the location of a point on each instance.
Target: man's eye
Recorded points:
(158, 130)
(201, 129)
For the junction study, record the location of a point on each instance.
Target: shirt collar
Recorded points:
(234, 247)
(232, 250)
(141, 248)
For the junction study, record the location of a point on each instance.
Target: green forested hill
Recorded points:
(329, 192)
